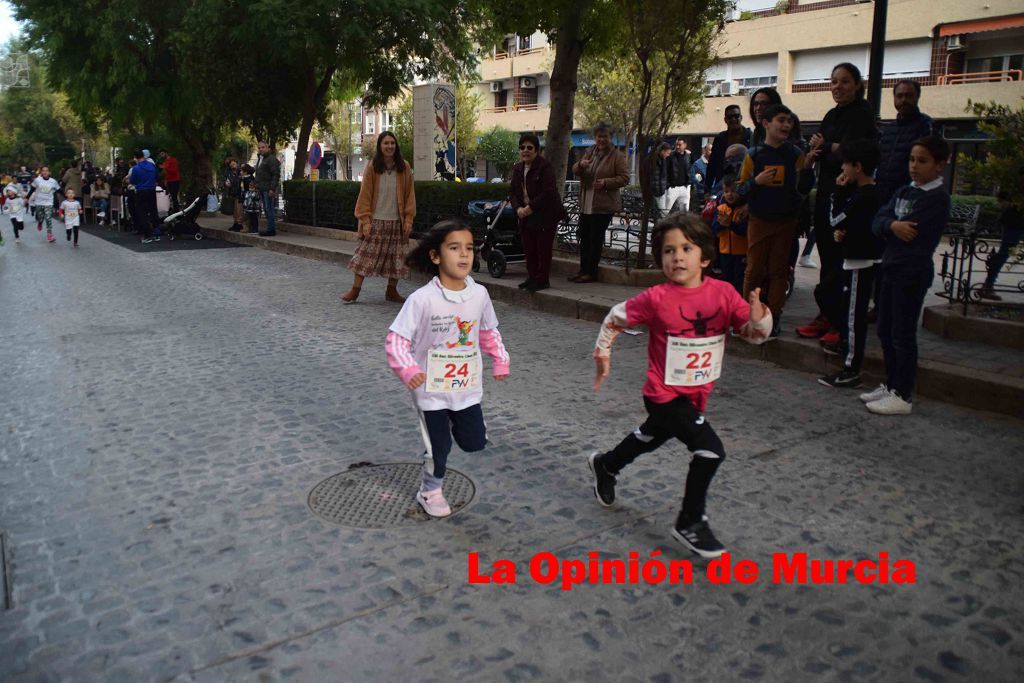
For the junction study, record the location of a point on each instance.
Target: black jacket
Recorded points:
(854, 217)
(897, 139)
(268, 172)
(678, 167)
(854, 121)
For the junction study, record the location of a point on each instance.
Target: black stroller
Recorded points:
(497, 229)
(183, 223)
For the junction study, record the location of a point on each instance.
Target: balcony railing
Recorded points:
(517, 107)
(1004, 76)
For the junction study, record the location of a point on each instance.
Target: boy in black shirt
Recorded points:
(861, 249)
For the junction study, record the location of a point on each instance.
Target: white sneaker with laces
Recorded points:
(877, 395)
(807, 262)
(433, 503)
(890, 405)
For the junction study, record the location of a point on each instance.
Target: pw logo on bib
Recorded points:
(452, 371)
(693, 362)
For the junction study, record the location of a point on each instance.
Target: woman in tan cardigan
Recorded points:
(385, 209)
(602, 172)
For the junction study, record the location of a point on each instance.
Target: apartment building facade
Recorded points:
(959, 50)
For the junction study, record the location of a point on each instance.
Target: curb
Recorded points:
(961, 386)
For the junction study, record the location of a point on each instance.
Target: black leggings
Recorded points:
(18, 226)
(680, 419)
(72, 229)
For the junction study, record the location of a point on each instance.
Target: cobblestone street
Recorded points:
(164, 417)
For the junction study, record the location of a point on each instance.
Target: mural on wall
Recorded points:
(444, 133)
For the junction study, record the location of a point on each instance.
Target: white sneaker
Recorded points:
(877, 395)
(807, 262)
(890, 405)
(433, 503)
(101, 215)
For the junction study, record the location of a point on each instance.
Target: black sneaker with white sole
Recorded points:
(604, 483)
(697, 537)
(844, 379)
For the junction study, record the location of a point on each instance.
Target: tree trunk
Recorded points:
(202, 166)
(312, 98)
(564, 81)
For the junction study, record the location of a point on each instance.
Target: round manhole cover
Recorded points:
(380, 496)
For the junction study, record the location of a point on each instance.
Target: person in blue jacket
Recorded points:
(143, 178)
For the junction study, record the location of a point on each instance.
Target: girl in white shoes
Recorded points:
(435, 345)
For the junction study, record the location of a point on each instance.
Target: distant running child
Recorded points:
(435, 345)
(14, 209)
(688, 318)
(71, 213)
(43, 189)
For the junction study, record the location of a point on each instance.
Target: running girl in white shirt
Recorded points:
(434, 347)
(71, 213)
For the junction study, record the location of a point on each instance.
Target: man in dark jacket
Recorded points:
(678, 166)
(898, 138)
(268, 177)
(734, 133)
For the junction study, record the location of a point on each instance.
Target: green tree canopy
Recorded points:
(1003, 165)
(500, 146)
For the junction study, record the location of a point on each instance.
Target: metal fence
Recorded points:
(968, 261)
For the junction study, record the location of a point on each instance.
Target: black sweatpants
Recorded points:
(18, 226)
(69, 231)
(680, 419)
(830, 253)
(852, 318)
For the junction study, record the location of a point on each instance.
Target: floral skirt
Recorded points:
(383, 253)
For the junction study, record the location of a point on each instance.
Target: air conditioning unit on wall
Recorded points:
(711, 89)
(527, 83)
(496, 86)
(728, 88)
(954, 43)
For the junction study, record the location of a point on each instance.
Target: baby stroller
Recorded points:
(497, 227)
(183, 223)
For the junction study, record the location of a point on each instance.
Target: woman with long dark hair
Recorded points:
(851, 119)
(385, 209)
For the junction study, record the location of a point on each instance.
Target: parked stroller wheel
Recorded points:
(496, 264)
(199, 236)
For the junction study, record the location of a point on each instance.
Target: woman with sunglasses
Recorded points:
(534, 195)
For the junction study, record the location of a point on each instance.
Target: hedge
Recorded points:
(336, 201)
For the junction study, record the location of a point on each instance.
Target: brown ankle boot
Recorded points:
(351, 295)
(391, 294)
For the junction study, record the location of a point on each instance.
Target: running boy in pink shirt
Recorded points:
(688, 319)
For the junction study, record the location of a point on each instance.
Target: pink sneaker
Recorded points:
(51, 239)
(433, 503)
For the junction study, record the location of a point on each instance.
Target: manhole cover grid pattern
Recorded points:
(380, 496)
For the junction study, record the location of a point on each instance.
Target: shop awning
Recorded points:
(980, 25)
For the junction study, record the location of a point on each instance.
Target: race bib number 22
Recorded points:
(693, 362)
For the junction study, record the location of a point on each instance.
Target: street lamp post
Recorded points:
(877, 59)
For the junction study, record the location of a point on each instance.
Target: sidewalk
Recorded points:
(968, 374)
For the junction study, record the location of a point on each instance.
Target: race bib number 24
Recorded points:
(452, 372)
